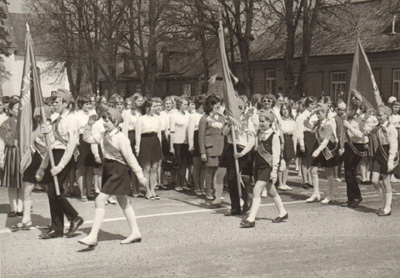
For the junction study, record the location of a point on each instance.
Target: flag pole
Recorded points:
(38, 89)
(230, 103)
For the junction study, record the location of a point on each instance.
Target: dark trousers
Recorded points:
(182, 160)
(351, 160)
(232, 178)
(59, 205)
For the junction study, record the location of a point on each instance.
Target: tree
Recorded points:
(4, 37)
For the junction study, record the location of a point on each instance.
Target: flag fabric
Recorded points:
(362, 80)
(230, 98)
(30, 98)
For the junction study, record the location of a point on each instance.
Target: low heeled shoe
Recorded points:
(280, 219)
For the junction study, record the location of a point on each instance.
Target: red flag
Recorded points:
(362, 80)
(229, 94)
(30, 99)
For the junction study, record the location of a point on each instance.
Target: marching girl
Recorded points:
(288, 126)
(385, 159)
(179, 123)
(165, 115)
(194, 148)
(118, 159)
(148, 146)
(394, 119)
(323, 152)
(266, 165)
(11, 175)
(211, 142)
(38, 150)
(84, 175)
(305, 140)
(131, 117)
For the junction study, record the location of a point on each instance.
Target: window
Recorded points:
(396, 82)
(338, 83)
(270, 81)
(187, 89)
(139, 89)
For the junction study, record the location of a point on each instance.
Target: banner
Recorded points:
(31, 97)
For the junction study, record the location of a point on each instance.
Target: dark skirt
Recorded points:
(150, 148)
(263, 174)
(30, 172)
(288, 148)
(309, 142)
(132, 139)
(84, 150)
(321, 161)
(165, 144)
(196, 151)
(11, 174)
(379, 162)
(115, 178)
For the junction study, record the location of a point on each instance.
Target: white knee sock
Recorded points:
(97, 221)
(131, 217)
(279, 205)
(388, 204)
(254, 209)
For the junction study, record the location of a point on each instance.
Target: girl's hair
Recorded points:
(101, 99)
(111, 118)
(179, 102)
(209, 103)
(134, 98)
(265, 99)
(82, 100)
(255, 99)
(199, 101)
(147, 106)
(289, 108)
(116, 99)
(12, 103)
(309, 100)
(168, 99)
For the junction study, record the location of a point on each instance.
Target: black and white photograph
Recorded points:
(200, 138)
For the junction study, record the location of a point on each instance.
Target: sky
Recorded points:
(15, 6)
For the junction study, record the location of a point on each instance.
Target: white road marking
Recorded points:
(7, 230)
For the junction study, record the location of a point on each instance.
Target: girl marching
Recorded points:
(118, 159)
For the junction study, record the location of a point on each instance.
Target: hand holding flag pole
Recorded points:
(29, 100)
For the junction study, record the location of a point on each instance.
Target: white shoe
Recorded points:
(111, 201)
(264, 193)
(288, 188)
(338, 179)
(282, 187)
(327, 201)
(313, 198)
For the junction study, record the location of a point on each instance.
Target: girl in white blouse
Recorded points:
(148, 146)
(288, 126)
(179, 123)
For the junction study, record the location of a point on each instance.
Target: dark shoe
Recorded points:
(232, 212)
(75, 223)
(347, 204)
(247, 224)
(378, 211)
(20, 214)
(280, 219)
(383, 213)
(355, 203)
(305, 186)
(310, 185)
(52, 234)
(12, 214)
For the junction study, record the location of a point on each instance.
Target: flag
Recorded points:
(30, 98)
(362, 80)
(230, 98)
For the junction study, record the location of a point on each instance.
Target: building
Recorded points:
(50, 81)
(332, 51)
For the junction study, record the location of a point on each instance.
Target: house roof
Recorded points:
(337, 33)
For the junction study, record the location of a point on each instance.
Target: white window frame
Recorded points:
(270, 79)
(338, 83)
(138, 89)
(187, 89)
(396, 82)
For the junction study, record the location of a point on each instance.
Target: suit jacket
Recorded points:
(211, 139)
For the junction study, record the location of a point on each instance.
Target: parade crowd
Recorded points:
(119, 147)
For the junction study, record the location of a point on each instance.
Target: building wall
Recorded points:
(14, 65)
(321, 70)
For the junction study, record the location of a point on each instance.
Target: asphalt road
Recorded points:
(183, 238)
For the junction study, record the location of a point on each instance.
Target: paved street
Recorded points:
(182, 238)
